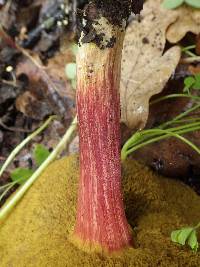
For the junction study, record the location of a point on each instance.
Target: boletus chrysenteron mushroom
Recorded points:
(101, 223)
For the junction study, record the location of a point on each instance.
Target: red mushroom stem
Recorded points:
(101, 223)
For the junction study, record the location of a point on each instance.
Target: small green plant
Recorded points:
(172, 4)
(40, 154)
(15, 198)
(187, 50)
(18, 175)
(192, 82)
(21, 175)
(181, 124)
(25, 142)
(192, 56)
(176, 127)
(187, 236)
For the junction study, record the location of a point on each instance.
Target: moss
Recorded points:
(37, 231)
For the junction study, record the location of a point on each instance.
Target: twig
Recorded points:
(12, 83)
(14, 129)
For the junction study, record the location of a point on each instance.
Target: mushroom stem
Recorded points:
(101, 223)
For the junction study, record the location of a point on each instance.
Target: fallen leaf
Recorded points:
(53, 87)
(188, 20)
(32, 106)
(145, 70)
(194, 70)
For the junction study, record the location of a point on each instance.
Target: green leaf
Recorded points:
(70, 71)
(180, 236)
(172, 4)
(174, 235)
(188, 82)
(193, 3)
(192, 241)
(197, 82)
(20, 175)
(40, 154)
(184, 234)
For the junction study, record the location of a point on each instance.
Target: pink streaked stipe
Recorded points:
(100, 213)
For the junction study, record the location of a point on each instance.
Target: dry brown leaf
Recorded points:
(32, 106)
(145, 70)
(188, 20)
(52, 86)
(194, 70)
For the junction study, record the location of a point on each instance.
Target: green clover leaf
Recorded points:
(20, 175)
(180, 236)
(40, 154)
(188, 82)
(192, 241)
(186, 235)
(196, 85)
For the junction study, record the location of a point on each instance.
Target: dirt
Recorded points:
(37, 231)
(98, 13)
(120, 11)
